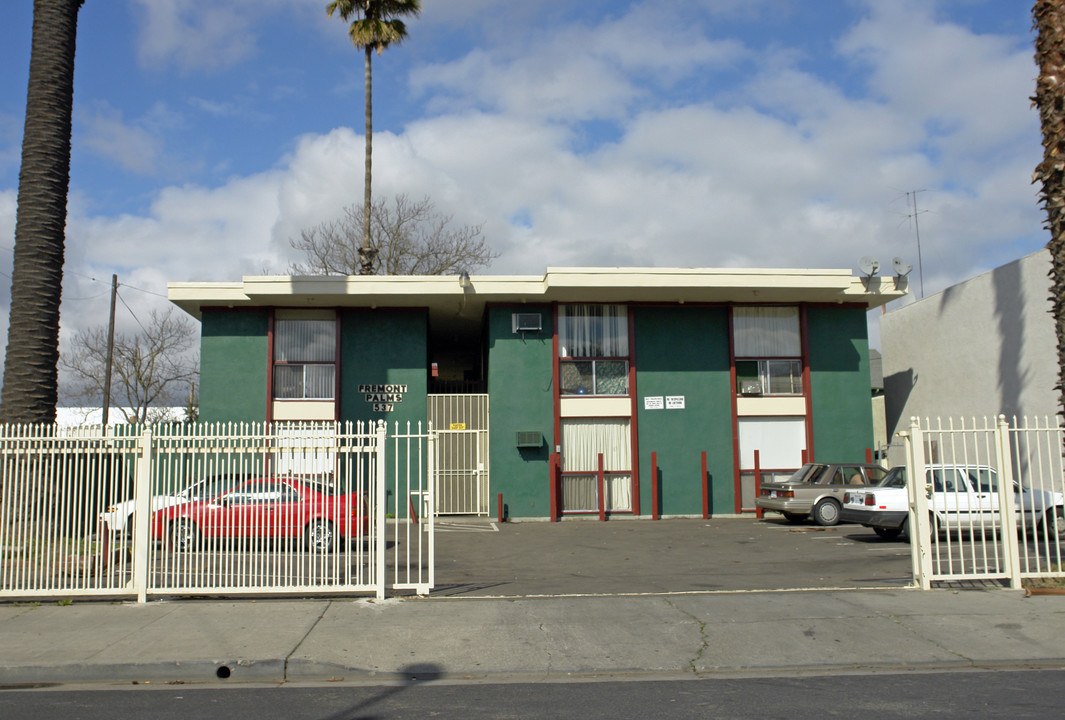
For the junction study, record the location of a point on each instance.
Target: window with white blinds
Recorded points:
(304, 359)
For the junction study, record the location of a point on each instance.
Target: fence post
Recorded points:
(919, 525)
(654, 486)
(381, 472)
(430, 488)
(552, 460)
(142, 493)
(758, 483)
(1006, 503)
(705, 482)
(602, 495)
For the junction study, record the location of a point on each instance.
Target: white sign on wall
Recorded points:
(653, 402)
(674, 402)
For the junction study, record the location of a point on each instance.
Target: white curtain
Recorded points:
(582, 441)
(593, 331)
(766, 331)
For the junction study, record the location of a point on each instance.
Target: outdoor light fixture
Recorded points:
(464, 280)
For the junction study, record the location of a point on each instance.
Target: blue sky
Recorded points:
(763, 133)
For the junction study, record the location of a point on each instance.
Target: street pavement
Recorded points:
(577, 599)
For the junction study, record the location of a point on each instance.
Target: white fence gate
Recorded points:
(212, 509)
(986, 500)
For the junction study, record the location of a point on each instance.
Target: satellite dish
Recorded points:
(869, 266)
(901, 268)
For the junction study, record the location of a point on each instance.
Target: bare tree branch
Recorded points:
(150, 371)
(409, 238)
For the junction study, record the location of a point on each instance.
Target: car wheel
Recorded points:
(888, 533)
(826, 512)
(794, 518)
(184, 534)
(318, 536)
(1054, 523)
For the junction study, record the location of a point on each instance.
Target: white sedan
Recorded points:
(963, 496)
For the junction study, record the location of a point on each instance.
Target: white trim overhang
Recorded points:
(444, 297)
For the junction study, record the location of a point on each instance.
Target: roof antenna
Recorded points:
(911, 196)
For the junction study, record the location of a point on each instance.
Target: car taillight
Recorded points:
(870, 499)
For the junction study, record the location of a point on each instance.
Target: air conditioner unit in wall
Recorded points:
(526, 322)
(750, 387)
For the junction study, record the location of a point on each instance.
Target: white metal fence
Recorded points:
(986, 499)
(212, 509)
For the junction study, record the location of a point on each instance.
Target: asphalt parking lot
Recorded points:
(478, 558)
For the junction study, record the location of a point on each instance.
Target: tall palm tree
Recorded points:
(30, 375)
(1049, 17)
(375, 25)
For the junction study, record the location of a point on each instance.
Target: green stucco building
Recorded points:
(610, 391)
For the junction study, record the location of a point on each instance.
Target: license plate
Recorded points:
(772, 493)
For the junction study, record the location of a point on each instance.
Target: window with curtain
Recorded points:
(594, 334)
(304, 359)
(582, 441)
(768, 339)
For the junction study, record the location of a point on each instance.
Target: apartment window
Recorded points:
(768, 350)
(304, 358)
(769, 377)
(593, 347)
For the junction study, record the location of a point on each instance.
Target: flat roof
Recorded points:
(446, 298)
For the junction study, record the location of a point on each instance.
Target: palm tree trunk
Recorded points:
(1050, 99)
(366, 253)
(30, 377)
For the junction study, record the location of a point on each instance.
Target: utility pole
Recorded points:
(912, 196)
(110, 353)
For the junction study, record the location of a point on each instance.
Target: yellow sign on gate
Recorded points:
(457, 426)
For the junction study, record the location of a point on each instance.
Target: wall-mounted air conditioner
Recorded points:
(750, 387)
(526, 322)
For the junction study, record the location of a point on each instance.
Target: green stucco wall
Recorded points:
(521, 399)
(683, 351)
(384, 348)
(839, 383)
(233, 362)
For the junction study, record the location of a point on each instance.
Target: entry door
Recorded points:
(461, 425)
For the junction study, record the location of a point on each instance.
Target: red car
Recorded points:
(270, 508)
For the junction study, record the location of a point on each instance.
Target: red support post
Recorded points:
(757, 482)
(706, 489)
(654, 486)
(499, 513)
(869, 455)
(602, 497)
(552, 460)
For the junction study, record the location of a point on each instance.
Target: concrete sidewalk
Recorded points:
(683, 598)
(722, 634)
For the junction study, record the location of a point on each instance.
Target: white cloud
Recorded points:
(196, 35)
(105, 132)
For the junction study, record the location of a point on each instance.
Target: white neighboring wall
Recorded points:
(979, 348)
(74, 416)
